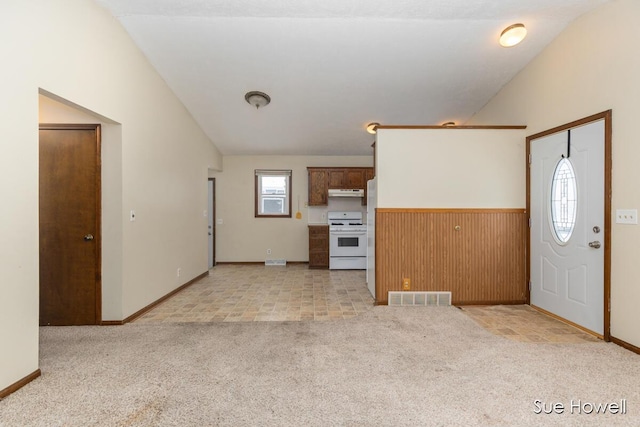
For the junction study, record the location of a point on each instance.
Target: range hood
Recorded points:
(334, 192)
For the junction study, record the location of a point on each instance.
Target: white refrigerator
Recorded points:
(372, 198)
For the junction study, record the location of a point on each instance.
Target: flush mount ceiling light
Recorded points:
(512, 35)
(257, 99)
(448, 124)
(372, 128)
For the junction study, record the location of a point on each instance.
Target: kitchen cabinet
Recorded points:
(346, 178)
(336, 178)
(369, 174)
(355, 178)
(318, 246)
(318, 180)
(322, 179)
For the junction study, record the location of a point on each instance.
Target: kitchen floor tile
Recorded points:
(257, 293)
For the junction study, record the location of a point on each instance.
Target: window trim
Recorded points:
(275, 172)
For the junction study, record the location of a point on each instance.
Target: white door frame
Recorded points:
(211, 222)
(606, 116)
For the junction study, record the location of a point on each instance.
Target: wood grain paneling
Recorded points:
(479, 255)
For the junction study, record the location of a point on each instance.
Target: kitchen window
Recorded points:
(273, 193)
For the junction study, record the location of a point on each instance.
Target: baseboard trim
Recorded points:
(625, 344)
(472, 303)
(112, 323)
(19, 384)
(143, 310)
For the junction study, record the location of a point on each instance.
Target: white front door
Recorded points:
(568, 224)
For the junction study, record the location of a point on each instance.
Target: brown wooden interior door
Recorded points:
(70, 292)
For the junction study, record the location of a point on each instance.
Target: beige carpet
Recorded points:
(392, 366)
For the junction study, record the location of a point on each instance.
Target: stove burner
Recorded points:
(355, 223)
(337, 223)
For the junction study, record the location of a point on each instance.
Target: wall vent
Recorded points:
(421, 299)
(275, 262)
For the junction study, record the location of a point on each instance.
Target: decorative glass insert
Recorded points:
(564, 200)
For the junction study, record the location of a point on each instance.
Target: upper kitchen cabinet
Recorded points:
(318, 180)
(355, 178)
(336, 178)
(349, 178)
(369, 174)
(323, 179)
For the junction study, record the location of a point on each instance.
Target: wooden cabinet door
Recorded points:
(337, 178)
(354, 178)
(318, 246)
(318, 187)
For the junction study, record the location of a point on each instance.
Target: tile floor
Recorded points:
(247, 293)
(250, 293)
(525, 324)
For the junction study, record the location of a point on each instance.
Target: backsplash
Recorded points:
(318, 214)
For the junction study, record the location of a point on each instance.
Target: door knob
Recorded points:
(595, 244)
(88, 237)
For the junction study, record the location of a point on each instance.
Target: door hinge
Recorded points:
(529, 222)
(609, 306)
(529, 158)
(529, 285)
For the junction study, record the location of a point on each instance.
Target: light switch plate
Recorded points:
(627, 216)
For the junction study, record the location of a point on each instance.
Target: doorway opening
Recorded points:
(53, 109)
(569, 207)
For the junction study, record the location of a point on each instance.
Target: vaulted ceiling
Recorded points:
(332, 66)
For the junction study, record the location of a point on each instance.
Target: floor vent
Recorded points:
(423, 299)
(275, 262)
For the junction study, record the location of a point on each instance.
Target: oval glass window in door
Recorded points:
(564, 201)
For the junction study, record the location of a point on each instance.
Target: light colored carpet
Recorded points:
(392, 366)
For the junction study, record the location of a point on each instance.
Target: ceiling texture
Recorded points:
(333, 66)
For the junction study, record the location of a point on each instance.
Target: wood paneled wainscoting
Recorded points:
(477, 254)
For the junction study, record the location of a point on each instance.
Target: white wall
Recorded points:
(592, 67)
(451, 168)
(77, 51)
(241, 236)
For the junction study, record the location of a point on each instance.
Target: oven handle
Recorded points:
(351, 233)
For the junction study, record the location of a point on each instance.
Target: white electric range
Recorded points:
(347, 241)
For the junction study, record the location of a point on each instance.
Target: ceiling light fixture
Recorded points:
(257, 99)
(448, 124)
(512, 35)
(372, 128)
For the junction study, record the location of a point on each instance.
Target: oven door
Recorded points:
(348, 243)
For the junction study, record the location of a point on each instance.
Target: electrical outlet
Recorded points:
(178, 271)
(268, 251)
(406, 284)
(627, 216)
